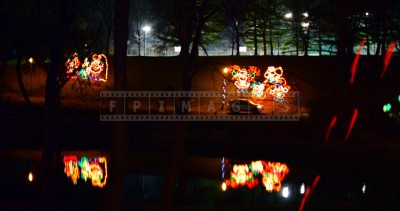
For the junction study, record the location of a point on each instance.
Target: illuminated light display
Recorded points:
(276, 83)
(271, 173)
(258, 90)
(90, 169)
(72, 64)
(87, 70)
(98, 64)
(223, 94)
(71, 168)
(241, 176)
(243, 77)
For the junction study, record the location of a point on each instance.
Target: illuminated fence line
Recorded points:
(189, 106)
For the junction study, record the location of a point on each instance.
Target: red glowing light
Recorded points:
(388, 56)
(333, 122)
(355, 62)
(309, 192)
(353, 121)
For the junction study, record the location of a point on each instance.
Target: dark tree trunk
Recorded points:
(50, 147)
(255, 37)
(119, 143)
(21, 83)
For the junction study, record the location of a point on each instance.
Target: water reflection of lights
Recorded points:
(364, 188)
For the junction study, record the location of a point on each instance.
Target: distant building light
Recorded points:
(242, 49)
(177, 49)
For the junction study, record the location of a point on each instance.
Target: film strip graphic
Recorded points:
(194, 106)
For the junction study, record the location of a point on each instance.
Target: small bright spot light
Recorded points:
(364, 188)
(289, 15)
(398, 98)
(387, 107)
(285, 192)
(305, 14)
(366, 13)
(225, 70)
(223, 186)
(30, 177)
(302, 189)
(31, 60)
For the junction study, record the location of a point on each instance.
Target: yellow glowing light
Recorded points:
(223, 186)
(226, 70)
(31, 60)
(30, 177)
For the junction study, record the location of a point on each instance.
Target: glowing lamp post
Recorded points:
(145, 29)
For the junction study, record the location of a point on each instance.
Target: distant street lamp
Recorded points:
(145, 29)
(288, 15)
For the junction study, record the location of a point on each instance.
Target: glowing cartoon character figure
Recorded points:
(258, 90)
(84, 72)
(85, 168)
(72, 64)
(271, 182)
(273, 74)
(273, 175)
(278, 92)
(97, 66)
(243, 76)
(241, 176)
(242, 83)
(99, 178)
(92, 170)
(276, 84)
(71, 168)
